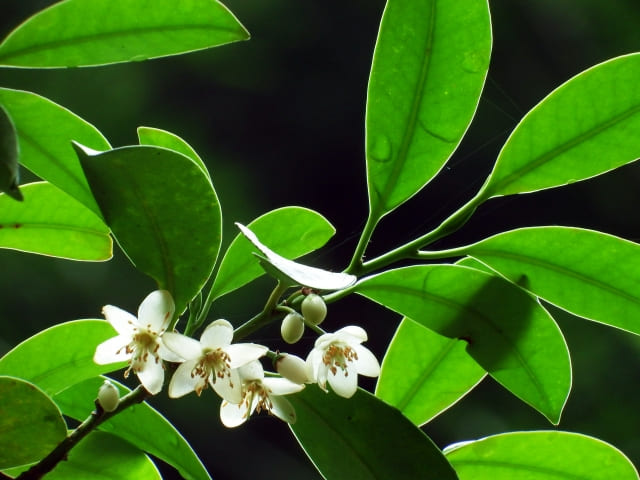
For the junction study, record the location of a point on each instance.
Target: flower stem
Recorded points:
(265, 316)
(61, 451)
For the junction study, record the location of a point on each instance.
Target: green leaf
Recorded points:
(292, 231)
(77, 33)
(140, 425)
(45, 131)
(60, 356)
(30, 423)
(588, 273)
(162, 138)
(293, 273)
(362, 438)
(101, 456)
(429, 67)
(508, 333)
(163, 212)
(567, 137)
(9, 169)
(424, 373)
(540, 455)
(50, 222)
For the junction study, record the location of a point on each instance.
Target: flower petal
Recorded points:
(281, 386)
(352, 333)
(230, 389)
(183, 346)
(156, 310)
(242, 353)
(282, 408)
(122, 321)
(152, 375)
(232, 414)
(112, 350)
(183, 382)
(217, 334)
(252, 371)
(168, 355)
(367, 363)
(344, 383)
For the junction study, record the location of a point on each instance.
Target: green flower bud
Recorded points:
(314, 309)
(292, 327)
(108, 396)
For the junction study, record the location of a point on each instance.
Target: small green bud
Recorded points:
(314, 309)
(108, 396)
(292, 327)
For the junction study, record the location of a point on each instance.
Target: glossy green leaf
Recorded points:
(429, 66)
(140, 425)
(569, 137)
(162, 138)
(362, 438)
(163, 212)
(291, 231)
(540, 455)
(508, 332)
(76, 33)
(60, 356)
(30, 423)
(9, 169)
(101, 456)
(292, 273)
(424, 373)
(45, 131)
(50, 222)
(588, 273)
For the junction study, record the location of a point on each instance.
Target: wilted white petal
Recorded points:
(122, 321)
(367, 363)
(282, 408)
(112, 350)
(281, 386)
(183, 346)
(229, 388)
(183, 382)
(232, 414)
(151, 376)
(156, 310)
(344, 383)
(217, 334)
(242, 353)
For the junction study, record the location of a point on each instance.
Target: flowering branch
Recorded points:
(96, 417)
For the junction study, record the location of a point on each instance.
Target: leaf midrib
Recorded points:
(87, 39)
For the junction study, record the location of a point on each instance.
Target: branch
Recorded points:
(98, 416)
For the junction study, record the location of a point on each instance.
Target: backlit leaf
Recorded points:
(76, 33)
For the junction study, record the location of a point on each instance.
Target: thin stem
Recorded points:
(265, 316)
(356, 261)
(411, 249)
(97, 416)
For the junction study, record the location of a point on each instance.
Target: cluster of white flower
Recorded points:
(233, 371)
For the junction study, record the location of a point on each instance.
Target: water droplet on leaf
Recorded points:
(380, 149)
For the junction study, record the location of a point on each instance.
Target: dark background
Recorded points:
(279, 121)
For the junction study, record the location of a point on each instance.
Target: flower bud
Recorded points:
(108, 396)
(314, 309)
(292, 327)
(293, 368)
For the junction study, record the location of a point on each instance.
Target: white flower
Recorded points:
(138, 339)
(293, 368)
(212, 360)
(260, 393)
(339, 358)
